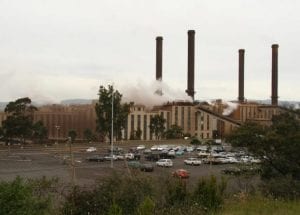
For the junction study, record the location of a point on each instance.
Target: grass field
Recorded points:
(259, 205)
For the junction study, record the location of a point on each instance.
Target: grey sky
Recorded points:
(59, 49)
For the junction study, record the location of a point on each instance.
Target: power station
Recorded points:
(200, 119)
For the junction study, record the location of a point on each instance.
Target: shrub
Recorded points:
(209, 194)
(282, 187)
(21, 197)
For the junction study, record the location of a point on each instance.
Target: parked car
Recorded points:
(154, 148)
(129, 156)
(181, 173)
(120, 157)
(110, 157)
(134, 164)
(91, 149)
(96, 158)
(140, 147)
(147, 167)
(179, 152)
(190, 149)
(147, 151)
(166, 154)
(192, 161)
(164, 163)
(152, 157)
(116, 149)
(203, 148)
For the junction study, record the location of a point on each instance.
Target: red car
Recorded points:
(181, 173)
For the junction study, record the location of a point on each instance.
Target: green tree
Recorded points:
(157, 126)
(104, 112)
(19, 121)
(174, 132)
(21, 198)
(89, 135)
(40, 132)
(278, 146)
(72, 134)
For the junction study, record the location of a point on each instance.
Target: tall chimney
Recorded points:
(159, 41)
(274, 96)
(241, 97)
(191, 63)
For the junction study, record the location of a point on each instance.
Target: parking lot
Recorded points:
(55, 161)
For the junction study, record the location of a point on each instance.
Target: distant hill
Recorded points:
(3, 105)
(76, 101)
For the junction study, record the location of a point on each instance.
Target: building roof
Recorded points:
(225, 118)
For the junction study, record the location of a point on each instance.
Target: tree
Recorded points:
(174, 132)
(157, 126)
(72, 135)
(104, 112)
(278, 146)
(20, 119)
(40, 132)
(88, 135)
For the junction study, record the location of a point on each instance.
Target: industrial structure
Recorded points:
(199, 119)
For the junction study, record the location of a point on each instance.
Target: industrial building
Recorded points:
(198, 119)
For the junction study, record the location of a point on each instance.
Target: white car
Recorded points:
(192, 161)
(91, 149)
(129, 156)
(153, 148)
(171, 153)
(140, 147)
(190, 149)
(164, 163)
(110, 157)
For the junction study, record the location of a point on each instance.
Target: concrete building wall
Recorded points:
(198, 120)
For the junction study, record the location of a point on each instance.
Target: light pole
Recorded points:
(112, 129)
(57, 129)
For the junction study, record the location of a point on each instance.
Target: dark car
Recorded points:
(152, 157)
(137, 156)
(95, 158)
(147, 167)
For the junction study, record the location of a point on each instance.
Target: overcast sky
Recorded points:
(60, 49)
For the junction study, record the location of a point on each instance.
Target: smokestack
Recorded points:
(159, 41)
(191, 63)
(241, 97)
(274, 96)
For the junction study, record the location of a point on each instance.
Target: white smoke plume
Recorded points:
(230, 108)
(144, 93)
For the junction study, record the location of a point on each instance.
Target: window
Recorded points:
(168, 119)
(182, 117)
(145, 127)
(138, 122)
(207, 123)
(132, 123)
